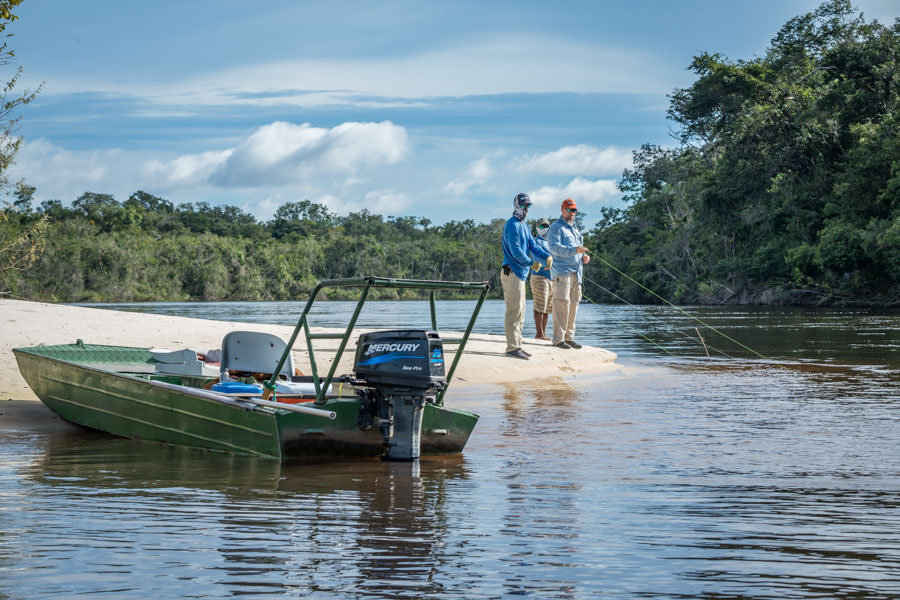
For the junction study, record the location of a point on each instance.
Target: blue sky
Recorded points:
(444, 110)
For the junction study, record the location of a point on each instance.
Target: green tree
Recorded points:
(786, 178)
(97, 208)
(19, 248)
(24, 196)
(301, 218)
(201, 217)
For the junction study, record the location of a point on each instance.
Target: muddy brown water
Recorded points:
(668, 477)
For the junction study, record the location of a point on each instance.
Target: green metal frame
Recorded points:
(367, 283)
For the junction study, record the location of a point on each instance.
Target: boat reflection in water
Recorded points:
(664, 479)
(143, 516)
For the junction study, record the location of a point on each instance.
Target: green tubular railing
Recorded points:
(367, 283)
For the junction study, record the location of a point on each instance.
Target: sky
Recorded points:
(441, 110)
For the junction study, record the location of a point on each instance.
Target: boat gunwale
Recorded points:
(43, 357)
(188, 390)
(197, 392)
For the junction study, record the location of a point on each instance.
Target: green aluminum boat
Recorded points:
(392, 405)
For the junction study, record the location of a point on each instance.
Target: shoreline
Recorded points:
(25, 323)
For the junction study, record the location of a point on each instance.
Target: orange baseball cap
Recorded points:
(569, 203)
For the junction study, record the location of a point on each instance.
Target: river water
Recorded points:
(676, 475)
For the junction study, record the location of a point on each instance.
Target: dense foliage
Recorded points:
(147, 249)
(786, 184)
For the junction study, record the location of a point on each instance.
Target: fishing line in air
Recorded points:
(654, 318)
(678, 308)
(634, 329)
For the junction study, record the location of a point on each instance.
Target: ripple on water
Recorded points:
(686, 478)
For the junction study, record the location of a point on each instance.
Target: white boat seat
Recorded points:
(253, 352)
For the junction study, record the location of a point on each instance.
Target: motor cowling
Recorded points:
(408, 358)
(399, 372)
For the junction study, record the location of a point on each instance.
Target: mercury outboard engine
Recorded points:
(399, 372)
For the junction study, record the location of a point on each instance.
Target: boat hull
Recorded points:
(101, 387)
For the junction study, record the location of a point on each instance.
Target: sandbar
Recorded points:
(24, 323)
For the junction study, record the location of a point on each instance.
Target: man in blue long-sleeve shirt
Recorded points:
(519, 253)
(541, 295)
(569, 257)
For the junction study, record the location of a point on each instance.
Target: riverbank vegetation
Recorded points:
(783, 186)
(145, 248)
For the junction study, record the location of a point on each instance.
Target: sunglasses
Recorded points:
(543, 227)
(571, 210)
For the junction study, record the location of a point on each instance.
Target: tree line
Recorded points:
(146, 248)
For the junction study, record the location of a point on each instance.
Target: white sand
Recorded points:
(25, 324)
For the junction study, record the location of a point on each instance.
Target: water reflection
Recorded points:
(228, 524)
(665, 478)
(84, 458)
(780, 541)
(539, 505)
(546, 405)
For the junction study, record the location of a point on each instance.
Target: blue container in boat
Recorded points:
(236, 388)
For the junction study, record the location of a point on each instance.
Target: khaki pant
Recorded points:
(514, 294)
(566, 296)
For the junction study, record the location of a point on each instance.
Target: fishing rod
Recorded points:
(657, 319)
(634, 329)
(679, 309)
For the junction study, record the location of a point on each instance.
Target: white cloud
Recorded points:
(379, 201)
(264, 209)
(87, 167)
(477, 173)
(507, 64)
(189, 169)
(340, 167)
(515, 63)
(57, 171)
(276, 163)
(388, 202)
(583, 191)
(283, 153)
(579, 160)
(498, 172)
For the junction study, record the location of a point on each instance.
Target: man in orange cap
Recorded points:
(569, 257)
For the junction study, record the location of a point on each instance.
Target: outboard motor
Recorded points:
(400, 371)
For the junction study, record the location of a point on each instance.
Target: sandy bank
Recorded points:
(33, 323)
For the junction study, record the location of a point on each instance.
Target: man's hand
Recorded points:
(585, 259)
(535, 266)
(581, 250)
(549, 261)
